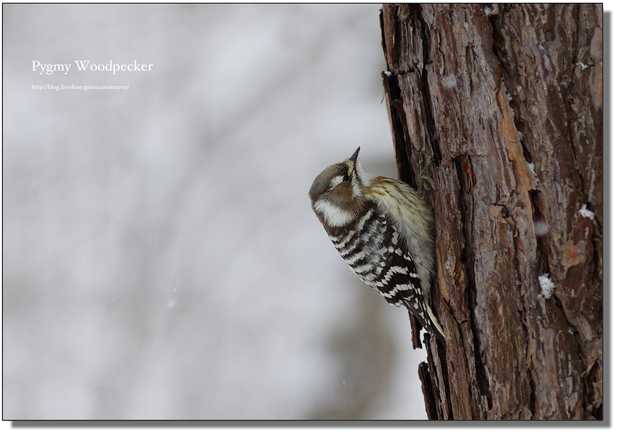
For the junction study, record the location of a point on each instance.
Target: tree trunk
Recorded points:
(505, 103)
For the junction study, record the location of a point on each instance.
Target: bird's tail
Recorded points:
(433, 326)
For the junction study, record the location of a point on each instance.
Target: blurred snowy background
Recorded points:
(160, 257)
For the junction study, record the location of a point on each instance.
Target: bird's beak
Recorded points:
(354, 156)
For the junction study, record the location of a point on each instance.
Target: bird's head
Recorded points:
(336, 193)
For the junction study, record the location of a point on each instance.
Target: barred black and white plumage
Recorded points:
(384, 231)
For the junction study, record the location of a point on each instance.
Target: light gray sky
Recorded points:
(160, 257)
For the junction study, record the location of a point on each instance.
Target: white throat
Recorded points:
(333, 215)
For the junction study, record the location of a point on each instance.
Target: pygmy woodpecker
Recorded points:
(384, 230)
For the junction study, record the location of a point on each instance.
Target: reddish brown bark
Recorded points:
(506, 103)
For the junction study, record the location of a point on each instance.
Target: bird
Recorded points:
(385, 232)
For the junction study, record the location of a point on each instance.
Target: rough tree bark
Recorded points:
(505, 102)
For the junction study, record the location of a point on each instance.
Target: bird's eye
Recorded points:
(346, 178)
